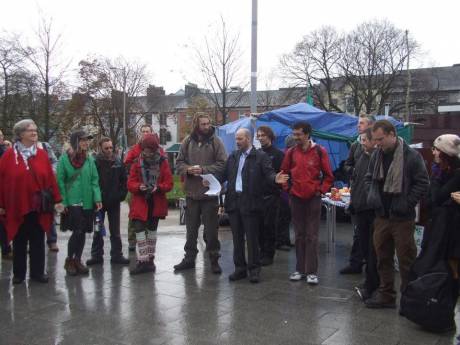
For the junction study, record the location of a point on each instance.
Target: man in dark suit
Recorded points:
(246, 171)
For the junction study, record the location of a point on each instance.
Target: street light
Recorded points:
(125, 137)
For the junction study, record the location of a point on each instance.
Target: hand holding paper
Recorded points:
(214, 185)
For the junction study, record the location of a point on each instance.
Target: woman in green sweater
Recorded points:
(79, 186)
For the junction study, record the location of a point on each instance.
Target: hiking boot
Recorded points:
(94, 261)
(70, 268)
(378, 302)
(119, 260)
(254, 277)
(215, 267)
(142, 267)
(185, 265)
(81, 269)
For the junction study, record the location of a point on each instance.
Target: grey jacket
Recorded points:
(415, 186)
(210, 154)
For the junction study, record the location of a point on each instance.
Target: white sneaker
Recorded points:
(312, 279)
(296, 276)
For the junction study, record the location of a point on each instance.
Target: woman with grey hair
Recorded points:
(28, 194)
(78, 182)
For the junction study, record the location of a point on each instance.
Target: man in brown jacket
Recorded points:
(202, 152)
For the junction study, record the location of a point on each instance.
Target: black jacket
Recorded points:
(444, 216)
(356, 150)
(257, 169)
(414, 188)
(359, 190)
(276, 157)
(112, 181)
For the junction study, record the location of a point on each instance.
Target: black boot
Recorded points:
(185, 264)
(142, 267)
(215, 267)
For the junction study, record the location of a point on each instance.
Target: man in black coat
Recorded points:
(271, 198)
(112, 181)
(397, 180)
(357, 257)
(245, 171)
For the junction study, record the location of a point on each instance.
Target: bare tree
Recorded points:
(102, 82)
(44, 58)
(373, 56)
(314, 63)
(220, 65)
(11, 64)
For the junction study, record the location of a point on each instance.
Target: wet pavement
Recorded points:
(196, 307)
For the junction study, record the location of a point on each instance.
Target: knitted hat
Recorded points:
(150, 141)
(449, 144)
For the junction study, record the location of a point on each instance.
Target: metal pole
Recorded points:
(254, 58)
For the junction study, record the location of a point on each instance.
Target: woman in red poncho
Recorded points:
(149, 180)
(25, 171)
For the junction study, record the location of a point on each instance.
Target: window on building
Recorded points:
(419, 105)
(443, 100)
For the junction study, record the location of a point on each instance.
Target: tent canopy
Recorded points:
(334, 131)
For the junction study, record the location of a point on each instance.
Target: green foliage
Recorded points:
(176, 193)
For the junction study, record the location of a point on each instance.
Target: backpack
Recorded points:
(430, 297)
(428, 300)
(290, 152)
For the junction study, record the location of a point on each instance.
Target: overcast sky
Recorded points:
(160, 33)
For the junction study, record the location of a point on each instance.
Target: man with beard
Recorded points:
(202, 152)
(271, 197)
(112, 181)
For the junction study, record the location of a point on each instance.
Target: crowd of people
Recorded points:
(265, 189)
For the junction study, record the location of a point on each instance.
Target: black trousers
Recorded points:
(4, 245)
(283, 222)
(245, 227)
(97, 248)
(365, 228)
(30, 232)
(357, 257)
(267, 229)
(81, 222)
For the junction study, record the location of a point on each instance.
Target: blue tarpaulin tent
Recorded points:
(334, 131)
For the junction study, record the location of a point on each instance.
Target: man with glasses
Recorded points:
(112, 181)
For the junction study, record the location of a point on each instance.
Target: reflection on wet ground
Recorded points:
(196, 307)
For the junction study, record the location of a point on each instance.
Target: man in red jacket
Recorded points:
(310, 173)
